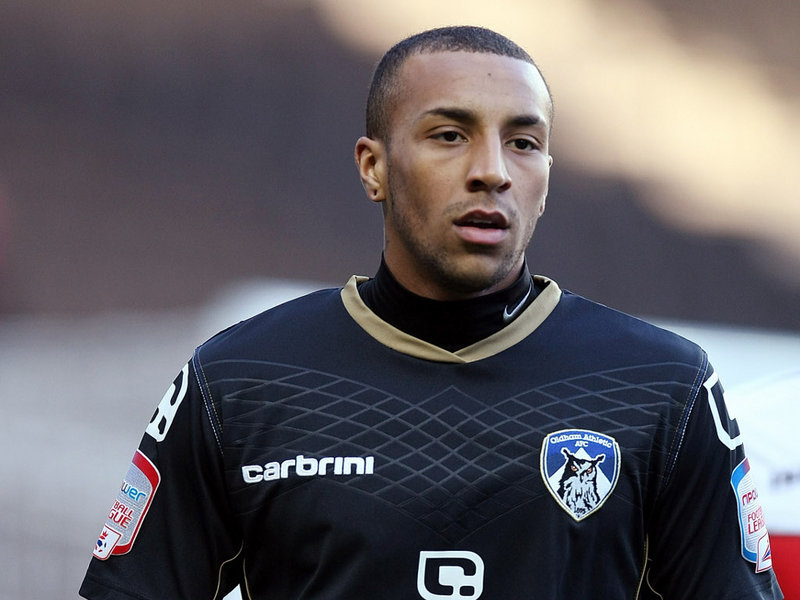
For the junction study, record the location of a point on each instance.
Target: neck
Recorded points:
(439, 287)
(449, 324)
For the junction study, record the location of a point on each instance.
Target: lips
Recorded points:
(482, 220)
(482, 227)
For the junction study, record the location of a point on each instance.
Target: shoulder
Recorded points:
(617, 333)
(295, 320)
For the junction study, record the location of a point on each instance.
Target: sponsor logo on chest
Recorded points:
(307, 466)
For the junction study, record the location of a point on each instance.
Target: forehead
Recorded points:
(487, 84)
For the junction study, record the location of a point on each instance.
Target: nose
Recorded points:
(488, 170)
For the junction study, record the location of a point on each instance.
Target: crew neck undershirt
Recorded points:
(451, 325)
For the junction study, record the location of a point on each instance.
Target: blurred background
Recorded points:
(168, 168)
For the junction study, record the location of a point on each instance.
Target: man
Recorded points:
(453, 428)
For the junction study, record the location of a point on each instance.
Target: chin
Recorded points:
(478, 280)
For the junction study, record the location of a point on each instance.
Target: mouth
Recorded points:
(482, 227)
(482, 220)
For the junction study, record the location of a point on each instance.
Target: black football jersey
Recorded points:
(316, 452)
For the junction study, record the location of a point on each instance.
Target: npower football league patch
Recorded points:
(755, 538)
(580, 469)
(129, 508)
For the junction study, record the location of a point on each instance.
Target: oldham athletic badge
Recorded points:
(580, 469)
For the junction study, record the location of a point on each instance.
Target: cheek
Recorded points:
(415, 190)
(535, 195)
(534, 210)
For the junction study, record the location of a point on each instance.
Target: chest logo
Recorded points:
(450, 575)
(580, 469)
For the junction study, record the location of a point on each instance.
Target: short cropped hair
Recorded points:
(464, 38)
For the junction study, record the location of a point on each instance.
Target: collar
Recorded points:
(388, 311)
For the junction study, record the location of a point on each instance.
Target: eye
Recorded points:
(524, 144)
(449, 136)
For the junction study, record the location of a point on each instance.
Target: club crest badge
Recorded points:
(580, 469)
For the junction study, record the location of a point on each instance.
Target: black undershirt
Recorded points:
(449, 325)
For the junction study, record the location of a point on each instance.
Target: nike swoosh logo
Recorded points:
(508, 315)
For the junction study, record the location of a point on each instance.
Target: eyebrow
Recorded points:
(526, 121)
(456, 114)
(468, 117)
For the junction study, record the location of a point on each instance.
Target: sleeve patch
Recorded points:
(755, 539)
(129, 509)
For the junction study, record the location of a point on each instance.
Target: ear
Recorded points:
(371, 163)
(544, 200)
